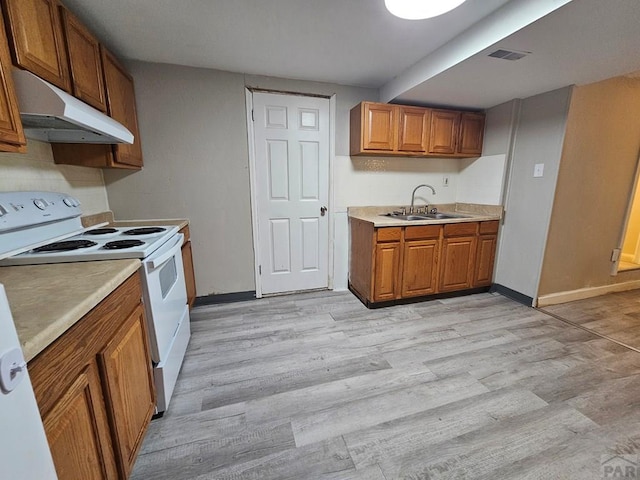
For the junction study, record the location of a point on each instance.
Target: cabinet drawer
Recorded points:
(390, 234)
(489, 227)
(459, 229)
(422, 231)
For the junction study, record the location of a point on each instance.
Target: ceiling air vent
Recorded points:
(508, 55)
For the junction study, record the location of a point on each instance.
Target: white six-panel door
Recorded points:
(291, 139)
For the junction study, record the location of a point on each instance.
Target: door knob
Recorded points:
(323, 211)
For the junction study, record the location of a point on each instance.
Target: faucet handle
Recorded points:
(403, 210)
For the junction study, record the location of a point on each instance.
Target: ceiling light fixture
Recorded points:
(420, 9)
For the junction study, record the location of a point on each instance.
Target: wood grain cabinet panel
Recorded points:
(129, 387)
(78, 433)
(412, 135)
(37, 41)
(471, 133)
(387, 268)
(457, 267)
(12, 137)
(85, 62)
(380, 122)
(187, 261)
(121, 105)
(443, 131)
(420, 268)
(486, 253)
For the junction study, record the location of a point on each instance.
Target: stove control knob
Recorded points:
(41, 204)
(71, 202)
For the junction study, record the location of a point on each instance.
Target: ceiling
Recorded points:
(357, 42)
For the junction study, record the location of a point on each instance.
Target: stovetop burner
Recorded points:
(144, 231)
(65, 246)
(101, 231)
(120, 244)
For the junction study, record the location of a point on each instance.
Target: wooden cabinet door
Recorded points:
(419, 273)
(379, 126)
(443, 132)
(189, 274)
(471, 133)
(130, 395)
(36, 35)
(387, 268)
(78, 432)
(412, 135)
(121, 105)
(456, 268)
(10, 125)
(85, 63)
(485, 259)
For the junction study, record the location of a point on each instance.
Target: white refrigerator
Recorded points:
(24, 451)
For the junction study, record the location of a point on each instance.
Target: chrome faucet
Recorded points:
(413, 195)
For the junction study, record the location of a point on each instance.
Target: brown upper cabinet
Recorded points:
(11, 134)
(401, 130)
(85, 63)
(383, 128)
(471, 133)
(121, 105)
(35, 33)
(454, 133)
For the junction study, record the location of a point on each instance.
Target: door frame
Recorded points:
(249, 91)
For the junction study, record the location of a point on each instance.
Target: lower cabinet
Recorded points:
(485, 254)
(393, 263)
(78, 430)
(420, 260)
(128, 386)
(458, 256)
(387, 266)
(94, 387)
(187, 262)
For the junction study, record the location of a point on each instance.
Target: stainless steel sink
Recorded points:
(439, 216)
(425, 216)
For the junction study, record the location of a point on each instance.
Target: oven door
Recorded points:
(165, 295)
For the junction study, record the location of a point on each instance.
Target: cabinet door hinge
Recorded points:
(253, 119)
(259, 269)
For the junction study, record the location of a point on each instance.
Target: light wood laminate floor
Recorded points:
(615, 316)
(316, 386)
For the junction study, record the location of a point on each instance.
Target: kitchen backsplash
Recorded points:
(36, 170)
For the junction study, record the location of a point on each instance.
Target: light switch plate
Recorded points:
(538, 170)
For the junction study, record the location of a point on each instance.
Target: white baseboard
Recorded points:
(582, 293)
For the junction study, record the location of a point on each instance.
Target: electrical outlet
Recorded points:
(538, 170)
(445, 181)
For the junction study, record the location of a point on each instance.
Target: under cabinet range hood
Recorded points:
(52, 115)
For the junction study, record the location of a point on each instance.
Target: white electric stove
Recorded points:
(45, 227)
(101, 243)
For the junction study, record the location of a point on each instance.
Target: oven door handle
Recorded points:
(165, 257)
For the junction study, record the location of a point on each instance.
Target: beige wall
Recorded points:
(594, 185)
(35, 170)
